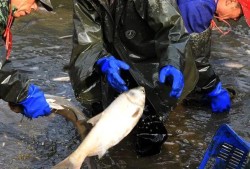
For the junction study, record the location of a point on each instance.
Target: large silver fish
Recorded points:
(110, 127)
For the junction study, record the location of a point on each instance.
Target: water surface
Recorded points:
(41, 48)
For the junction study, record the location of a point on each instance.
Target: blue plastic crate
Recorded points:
(227, 150)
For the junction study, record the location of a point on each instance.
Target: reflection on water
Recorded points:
(39, 51)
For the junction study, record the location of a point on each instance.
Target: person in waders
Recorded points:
(198, 19)
(120, 44)
(15, 88)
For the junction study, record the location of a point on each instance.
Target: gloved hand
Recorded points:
(220, 99)
(35, 104)
(111, 67)
(175, 77)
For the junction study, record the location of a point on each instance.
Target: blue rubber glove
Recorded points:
(111, 67)
(220, 99)
(35, 104)
(175, 77)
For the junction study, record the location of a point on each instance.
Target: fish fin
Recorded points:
(54, 105)
(94, 119)
(101, 153)
(136, 113)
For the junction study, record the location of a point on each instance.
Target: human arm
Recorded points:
(13, 85)
(88, 46)
(89, 59)
(16, 89)
(171, 40)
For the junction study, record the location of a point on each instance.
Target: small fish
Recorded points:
(69, 111)
(65, 108)
(59, 103)
(110, 127)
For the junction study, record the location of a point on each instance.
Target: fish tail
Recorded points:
(70, 163)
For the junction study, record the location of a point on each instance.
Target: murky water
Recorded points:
(41, 49)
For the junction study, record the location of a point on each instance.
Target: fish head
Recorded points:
(137, 95)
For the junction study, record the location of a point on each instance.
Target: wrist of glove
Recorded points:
(220, 99)
(111, 67)
(175, 77)
(35, 104)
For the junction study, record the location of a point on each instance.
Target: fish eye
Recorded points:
(143, 90)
